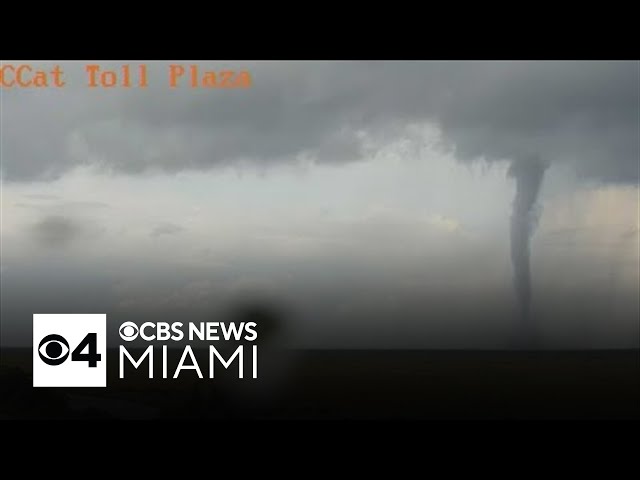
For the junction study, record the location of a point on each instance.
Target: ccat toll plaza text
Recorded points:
(28, 76)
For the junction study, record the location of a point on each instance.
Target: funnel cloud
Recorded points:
(528, 175)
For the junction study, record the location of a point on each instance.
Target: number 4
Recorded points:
(91, 343)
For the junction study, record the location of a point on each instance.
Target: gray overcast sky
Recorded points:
(371, 198)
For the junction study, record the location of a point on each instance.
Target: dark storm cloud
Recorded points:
(56, 231)
(583, 113)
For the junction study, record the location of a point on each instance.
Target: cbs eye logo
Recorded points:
(54, 350)
(69, 350)
(129, 331)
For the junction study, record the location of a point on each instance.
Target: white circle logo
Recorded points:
(129, 331)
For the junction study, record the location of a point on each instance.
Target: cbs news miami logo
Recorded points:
(70, 350)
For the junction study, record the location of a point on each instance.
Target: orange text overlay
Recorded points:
(125, 76)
